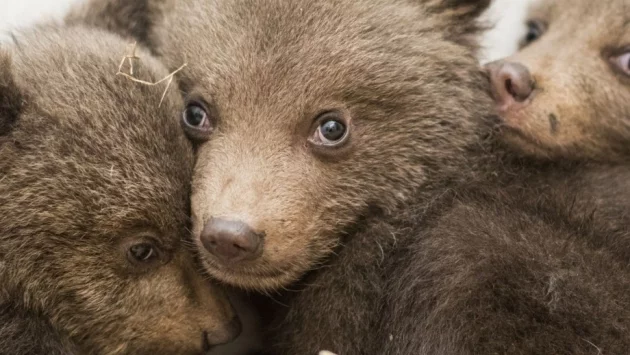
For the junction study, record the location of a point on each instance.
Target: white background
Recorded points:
(24, 12)
(507, 15)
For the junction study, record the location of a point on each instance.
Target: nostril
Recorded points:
(510, 87)
(518, 81)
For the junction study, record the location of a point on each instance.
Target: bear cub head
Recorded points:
(94, 186)
(310, 115)
(566, 93)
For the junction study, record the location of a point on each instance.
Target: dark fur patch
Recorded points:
(465, 14)
(553, 123)
(476, 6)
(135, 19)
(11, 99)
(26, 333)
(461, 9)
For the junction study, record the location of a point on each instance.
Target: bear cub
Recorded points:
(330, 139)
(566, 93)
(94, 183)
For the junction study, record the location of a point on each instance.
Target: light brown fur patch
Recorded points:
(576, 83)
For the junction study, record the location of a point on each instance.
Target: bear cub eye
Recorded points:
(535, 29)
(622, 62)
(197, 122)
(331, 131)
(143, 252)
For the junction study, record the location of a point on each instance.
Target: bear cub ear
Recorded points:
(11, 98)
(458, 10)
(459, 19)
(134, 19)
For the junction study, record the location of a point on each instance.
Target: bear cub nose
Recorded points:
(512, 83)
(231, 241)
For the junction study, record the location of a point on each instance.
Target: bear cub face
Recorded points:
(94, 184)
(566, 93)
(309, 115)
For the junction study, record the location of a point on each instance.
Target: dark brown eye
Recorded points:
(331, 130)
(197, 122)
(143, 252)
(535, 29)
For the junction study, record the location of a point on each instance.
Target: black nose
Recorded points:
(512, 82)
(231, 241)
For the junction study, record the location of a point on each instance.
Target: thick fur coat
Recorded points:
(94, 194)
(414, 236)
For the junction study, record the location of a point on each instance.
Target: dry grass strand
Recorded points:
(131, 57)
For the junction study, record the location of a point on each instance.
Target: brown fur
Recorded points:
(89, 165)
(288, 47)
(135, 19)
(11, 100)
(580, 108)
(25, 333)
(306, 57)
(398, 258)
(477, 273)
(506, 274)
(309, 57)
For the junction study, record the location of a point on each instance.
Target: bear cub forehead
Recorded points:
(101, 142)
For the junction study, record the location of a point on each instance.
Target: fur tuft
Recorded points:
(11, 97)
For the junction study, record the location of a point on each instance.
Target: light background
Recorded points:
(506, 15)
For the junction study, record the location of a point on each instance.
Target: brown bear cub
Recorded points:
(327, 136)
(309, 148)
(330, 136)
(566, 93)
(94, 185)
